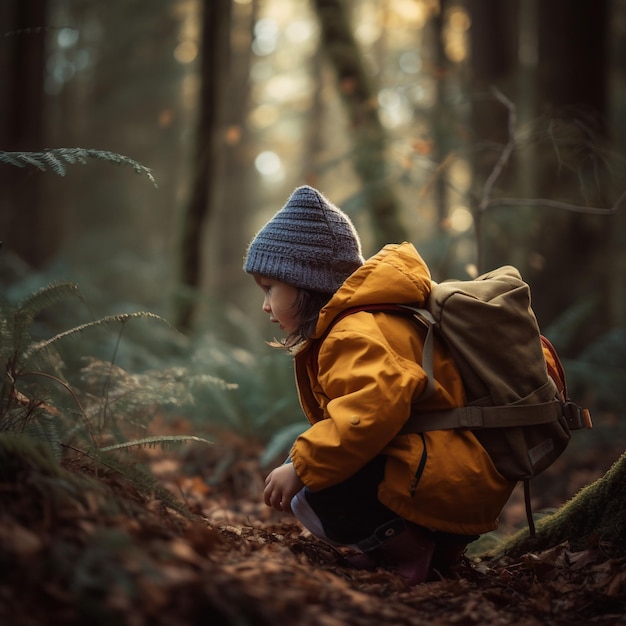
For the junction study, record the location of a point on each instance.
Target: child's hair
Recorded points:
(308, 305)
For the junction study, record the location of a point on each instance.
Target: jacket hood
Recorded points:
(397, 274)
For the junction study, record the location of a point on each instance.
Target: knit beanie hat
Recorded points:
(309, 243)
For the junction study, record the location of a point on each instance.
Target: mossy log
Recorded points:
(596, 516)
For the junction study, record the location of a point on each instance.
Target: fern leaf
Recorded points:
(72, 157)
(45, 428)
(102, 322)
(46, 297)
(54, 158)
(81, 154)
(51, 159)
(160, 440)
(33, 159)
(34, 305)
(11, 159)
(143, 481)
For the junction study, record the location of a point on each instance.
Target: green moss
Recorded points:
(594, 516)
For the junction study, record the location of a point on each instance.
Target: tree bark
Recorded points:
(360, 97)
(573, 56)
(235, 204)
(572, 82)
(23, 219)
(493, 52)
(213, 70)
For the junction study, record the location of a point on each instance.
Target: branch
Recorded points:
(487, 202)
(556, 204)
(505, 155)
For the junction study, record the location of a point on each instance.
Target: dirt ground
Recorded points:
(84, 548)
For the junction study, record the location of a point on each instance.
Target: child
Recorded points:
(406, 500)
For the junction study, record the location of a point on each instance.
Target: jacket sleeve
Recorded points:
(367, 389)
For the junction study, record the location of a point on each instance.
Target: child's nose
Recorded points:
(266, 306)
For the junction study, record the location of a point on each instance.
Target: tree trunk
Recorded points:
(23, 219)
(441, 121)
(214, 70)
(235, 204)
(572, 85)
(596, 514)
(573, 56)
(493, 65)
(360, 97)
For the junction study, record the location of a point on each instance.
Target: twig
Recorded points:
(505, 155)
(487, 202)
(556, 204)
(71, 392)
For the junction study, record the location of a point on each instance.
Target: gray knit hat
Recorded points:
(309, 243)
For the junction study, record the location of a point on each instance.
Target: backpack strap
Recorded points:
(477, 417)
(472, 416)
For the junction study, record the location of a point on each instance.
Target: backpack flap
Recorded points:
(493, 335)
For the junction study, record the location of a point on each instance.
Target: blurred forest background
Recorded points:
(484, 131)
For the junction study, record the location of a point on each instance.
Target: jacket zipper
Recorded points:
(420, 467)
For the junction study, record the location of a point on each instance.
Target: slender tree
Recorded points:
(234, 203)
(572, 87)
(216, 18)
(564, 69)
(493, 63)
(360, 97)
(23, 219)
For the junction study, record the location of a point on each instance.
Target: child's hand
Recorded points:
(281, 485)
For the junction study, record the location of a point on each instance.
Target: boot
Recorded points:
(445, 557)
(449, 549)
(362, 560)
(409, 553)
(401, 547)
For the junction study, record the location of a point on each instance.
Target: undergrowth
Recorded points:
(100, 419)
(62, 390)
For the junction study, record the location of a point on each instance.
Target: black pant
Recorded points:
(351, 512)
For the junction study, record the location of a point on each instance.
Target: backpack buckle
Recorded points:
(576, 417)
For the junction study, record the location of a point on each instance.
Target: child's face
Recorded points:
(279, 303)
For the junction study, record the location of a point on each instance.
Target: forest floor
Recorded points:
(80, 548)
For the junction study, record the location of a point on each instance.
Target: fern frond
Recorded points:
(10, 159)
(30, 159)
(45, 428)
(122, 318)
(24, 315)
(18, 450)
(56, 158)
(165, 441)
(143, 481)
(6, 336)
(57, 166)
(46, 297)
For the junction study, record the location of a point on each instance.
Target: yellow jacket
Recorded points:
(367, 380)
